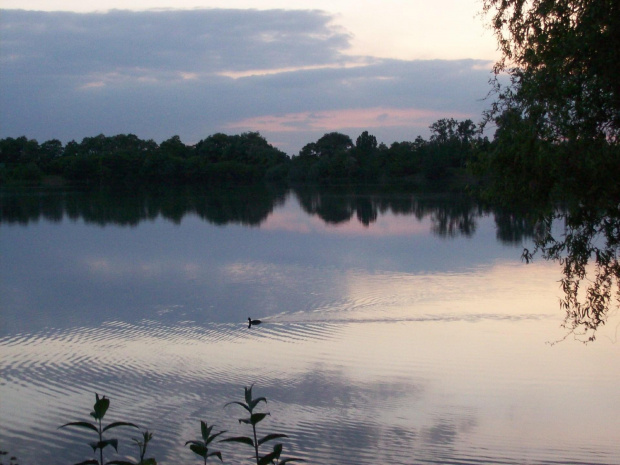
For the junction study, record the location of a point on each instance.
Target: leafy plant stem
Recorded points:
(100, 440)
(255, 442)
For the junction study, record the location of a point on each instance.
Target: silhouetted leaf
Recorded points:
(88, 462)
(270, 437)
(81, 424)
(194, 442)
(277, 451)
(217, 454)
(119, 462)
(105, 443)
(257, 417)
(255, 402)
(213, 436)
(101, 407)
(241, 439)
(282, 462)
(265, 460)
(239, 403)
(199, 449)
(248, 394)
(205, 430)
(119, 423)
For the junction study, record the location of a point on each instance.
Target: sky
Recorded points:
(292, 70)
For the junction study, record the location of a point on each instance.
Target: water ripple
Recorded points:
(322, 394)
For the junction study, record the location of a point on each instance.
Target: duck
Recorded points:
(253, 322)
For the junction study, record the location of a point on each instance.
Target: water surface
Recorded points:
(396, 328)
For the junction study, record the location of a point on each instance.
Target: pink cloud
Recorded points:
(339, 119)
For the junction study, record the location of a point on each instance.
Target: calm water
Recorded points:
(396, 329)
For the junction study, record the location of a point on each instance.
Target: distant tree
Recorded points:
(366, 142)
(444, 130)
(328, 145)
(71, 149)
(404, 159)
(239, 158)
(369, 157)
(449, 130)
(451, 145)
(19, 150)
(329, 158)
(51, 149)
(173, 147)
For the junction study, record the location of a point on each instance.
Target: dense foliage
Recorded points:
(558, 120)
(125, 160)
(558, 140)
(562, 56)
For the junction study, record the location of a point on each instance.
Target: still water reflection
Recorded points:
(396, 328)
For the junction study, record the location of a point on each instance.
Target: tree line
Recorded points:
(126, 160)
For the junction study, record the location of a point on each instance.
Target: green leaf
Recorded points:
(270, 437)
(265, 460)
(248, 394)
(205, 430)
(194, 442)
(277, 451)
(119, 423)
(150, 461)
(239, 403)
(88, 462)
(255, 402)
(241, 439)
(212, 437)
(217, 454)
(146, 437)
(257, 418)
(199, 449)
(101, 407)
(105, 443)
(81, 424)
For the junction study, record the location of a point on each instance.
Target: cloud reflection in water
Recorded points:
(398, 343)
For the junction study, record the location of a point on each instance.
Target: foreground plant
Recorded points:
(99, 410)
(142, 444)
(201, 448)
(256, 417)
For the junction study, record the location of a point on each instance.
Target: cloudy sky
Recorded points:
(292, 70)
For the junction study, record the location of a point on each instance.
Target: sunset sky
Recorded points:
(292, 70)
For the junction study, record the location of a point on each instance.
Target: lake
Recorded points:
(396, 328)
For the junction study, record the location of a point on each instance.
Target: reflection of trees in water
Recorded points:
(246, 205)
(456, 218)
(513, 227)
(587, 250)
(450, 216)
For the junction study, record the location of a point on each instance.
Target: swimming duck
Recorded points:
(253, 322)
